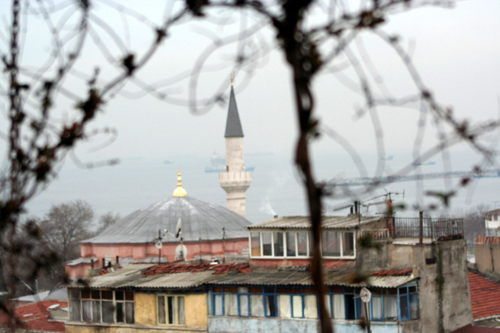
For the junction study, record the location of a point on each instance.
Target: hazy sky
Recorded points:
(456, 51)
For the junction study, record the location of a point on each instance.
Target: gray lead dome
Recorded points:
(199, 220)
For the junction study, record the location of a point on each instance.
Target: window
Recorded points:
(279, 244)
(171, 310)
(387, 304)
(408, 302)
(255, 244)
(297, 302)
(291, 246)
(267, 244)
(102, 306)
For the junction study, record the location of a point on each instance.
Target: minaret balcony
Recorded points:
(235, 179)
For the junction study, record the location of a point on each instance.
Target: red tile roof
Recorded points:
(477, 329)
(485, 296)
(393, 273)
(180, 268)
(483, 239)
(35, 317)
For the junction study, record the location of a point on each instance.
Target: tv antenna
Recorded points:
(158, 242)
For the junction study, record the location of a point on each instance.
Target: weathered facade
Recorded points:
(487, 255)
(416, 285)
(135, 298)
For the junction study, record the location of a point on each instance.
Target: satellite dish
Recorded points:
(178, 254)
(158, 244)
(178, 228)
(365, 295)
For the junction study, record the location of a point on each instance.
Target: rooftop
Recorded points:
(303, 222)
(386, 279)
(485, 296)
(195, 275)
(36, 317)
(161, 276)
(496, 211)
(200, 220)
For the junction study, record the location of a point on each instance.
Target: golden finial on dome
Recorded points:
(232, 78)
(179, 191)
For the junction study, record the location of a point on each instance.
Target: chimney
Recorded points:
(92, 263)
(117, 260)
(103, 263)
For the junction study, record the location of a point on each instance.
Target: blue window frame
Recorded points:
(408, 302)
(231, 301)
(387, 304)
(297, 302)
(269, 302)
(270, 306)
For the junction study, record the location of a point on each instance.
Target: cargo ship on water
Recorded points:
(218, 164)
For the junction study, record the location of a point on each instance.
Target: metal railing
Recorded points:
(431, 227)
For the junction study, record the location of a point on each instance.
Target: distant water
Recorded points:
(276, 190)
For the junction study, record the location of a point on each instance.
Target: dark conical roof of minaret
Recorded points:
(233, 123)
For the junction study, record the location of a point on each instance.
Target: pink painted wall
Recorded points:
(140, 251)
(77, 271)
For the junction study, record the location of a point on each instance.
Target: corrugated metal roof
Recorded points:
(130, 276)
(304, 222)
(199, 220)
(285, 278)
(233, 124)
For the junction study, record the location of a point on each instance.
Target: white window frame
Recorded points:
(295, 231)
(101, 300)
(176, 302)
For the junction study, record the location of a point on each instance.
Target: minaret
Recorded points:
(235, 180)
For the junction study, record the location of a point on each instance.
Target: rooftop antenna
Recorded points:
(223, 245)
(158, 242)
(178, 233)
(386, 196)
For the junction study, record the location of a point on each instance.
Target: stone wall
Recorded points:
(444, 298)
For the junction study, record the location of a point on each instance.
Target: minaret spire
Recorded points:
(235, 180)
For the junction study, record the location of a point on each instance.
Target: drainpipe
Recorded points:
(421, 228)
(491, 254)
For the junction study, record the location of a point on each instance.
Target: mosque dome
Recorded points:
(200, 220)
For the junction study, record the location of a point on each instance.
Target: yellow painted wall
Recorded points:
(196, 310)
(145, 309)
(97, 329)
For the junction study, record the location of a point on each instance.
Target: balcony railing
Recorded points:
(433, 228)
